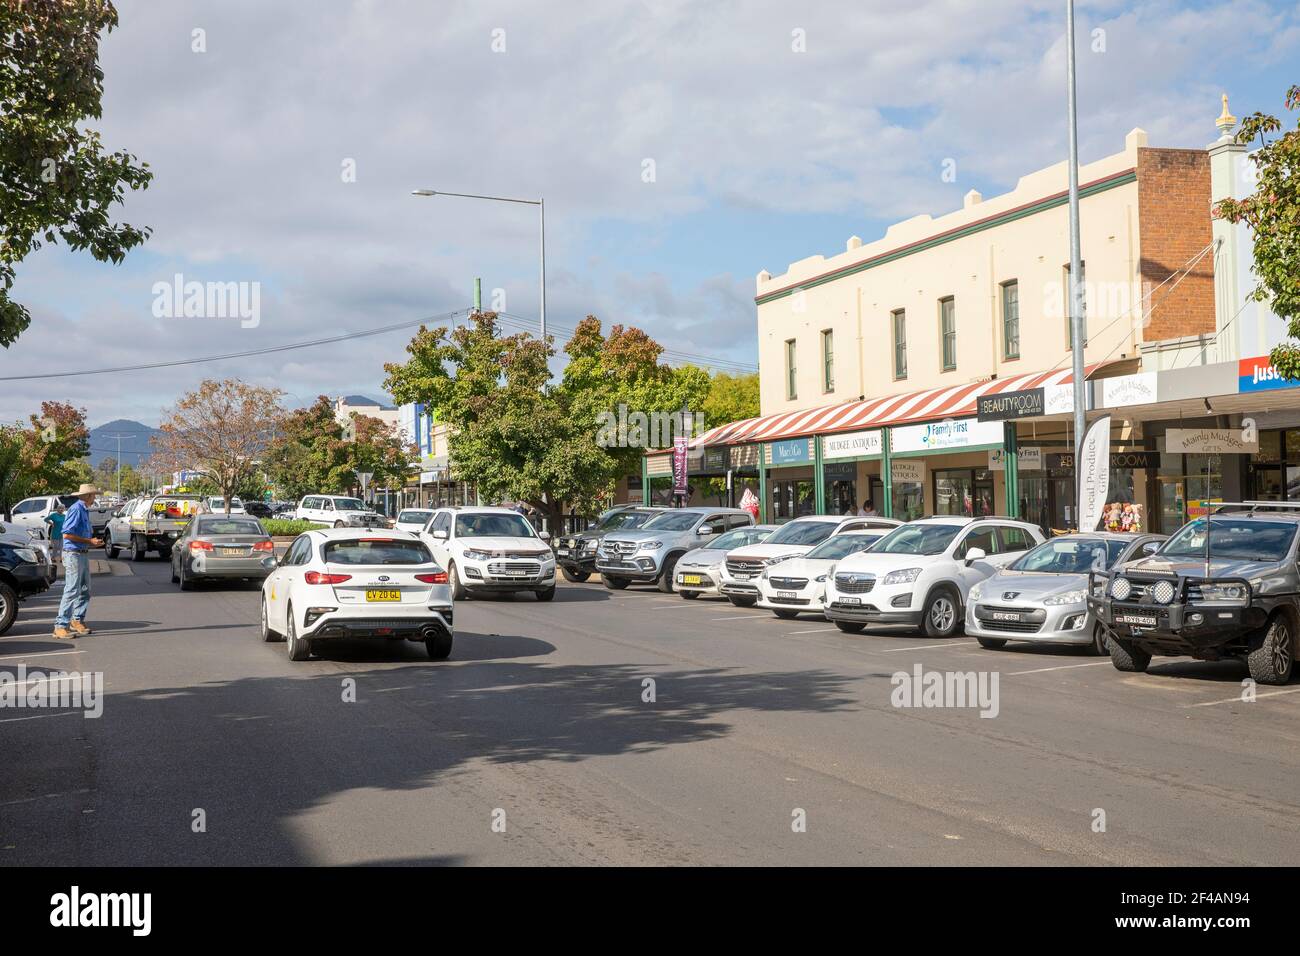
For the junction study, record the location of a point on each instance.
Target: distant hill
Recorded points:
(135, 441)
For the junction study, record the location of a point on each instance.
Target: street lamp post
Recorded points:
(1076, 284)
(541, 210)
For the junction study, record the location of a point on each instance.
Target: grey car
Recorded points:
(700, 571)
(221, 546)
(649, 555)
(1043, 597)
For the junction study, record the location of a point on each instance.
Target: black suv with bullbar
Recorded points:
(1225, 585)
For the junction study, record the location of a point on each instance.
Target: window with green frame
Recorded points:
(1011, 320)
(899, 319)
(828, 360)
(948, 332)
(791, 388)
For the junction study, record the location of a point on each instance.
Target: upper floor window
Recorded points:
(1011, 320)
(828, 360)
(948, 332)
(899, 318)
(791, 389)
(1083, 297)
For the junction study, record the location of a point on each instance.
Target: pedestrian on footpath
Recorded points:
(78, 539)
(55, 521)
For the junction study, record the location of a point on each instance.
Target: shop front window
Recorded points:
(909, 500)
(963, 491)
(792, 499)
(1275, 468)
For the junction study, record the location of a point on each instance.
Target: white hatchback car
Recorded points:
(490, 549)
(920, 574)
(799, 584)
(339, 583)
(413, 520)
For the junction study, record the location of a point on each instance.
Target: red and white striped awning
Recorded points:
(932, 404)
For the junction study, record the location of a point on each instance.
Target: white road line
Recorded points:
(925, 647)
(1063, 667)
(733, 617)
(65, 713)
(1238, 700)
(21, 657)
(815, 630)
(674, 607)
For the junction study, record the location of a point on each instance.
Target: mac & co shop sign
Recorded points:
(1118, 459)
(1029, 403)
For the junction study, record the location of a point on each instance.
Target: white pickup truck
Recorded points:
(32, 512)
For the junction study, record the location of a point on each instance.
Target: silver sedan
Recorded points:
(1042, 597)
(221, 546)
(699, 571)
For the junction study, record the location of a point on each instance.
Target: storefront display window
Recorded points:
(909, 500)
(792, 499)
(1275, 468)
(963, 491)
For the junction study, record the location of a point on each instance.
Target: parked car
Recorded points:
(649, 554)
(24, 537)
(1226, 586)
(576, 553)
(23, 572)
(338, 583)
(920, 574)
(217, 505)
(220, 546)
(150, 523)
(413, 519)
(1042, 597)
(490, 549)
(258, 509)
(337, 511)
(32, 512)
(799, 584)
(700, 571)
(743, 566)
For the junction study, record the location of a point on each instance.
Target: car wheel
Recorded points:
(546, 594)
(439, 647)
(941, 616)
(268, 635)
(458, 592)
(665, 582)
(992, 643)
(1128, 657)
(175, 576)
(137, 548)
(8, 606)
(1272, 654)
(111, 549)
(850, 627)
(614, 584)
(575, 577)
(689, 595)
(299, 648)
(1099, 640)
(186, 583)
(338, 524)
(740, 601)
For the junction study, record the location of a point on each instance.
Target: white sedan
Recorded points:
(799, 584)
(343, 583)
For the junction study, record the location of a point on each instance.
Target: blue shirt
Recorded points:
(77, 521)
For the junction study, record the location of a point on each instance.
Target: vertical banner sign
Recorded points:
(679, 465)
(1094, 473)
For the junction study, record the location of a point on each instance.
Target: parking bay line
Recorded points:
(815, 630)
(1238, 700)
(20, 657)
(1063, 667)
(925, 647)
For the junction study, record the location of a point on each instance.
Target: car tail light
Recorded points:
(316, 577)
(438, 577)
(264, 546)
(200, 546)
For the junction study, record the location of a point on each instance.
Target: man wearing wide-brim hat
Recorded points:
(78, 539)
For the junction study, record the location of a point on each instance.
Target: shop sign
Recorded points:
(1059, 399)
(846, 471)
(789, 452)
(680, 448)
(1139, 389)
(1094, 476)
(1118, 459)
(948, 435)
(715, 459)
(1027, 459)
(1259, 375)
(744, 456)
(1028, 403)
(908, 471)
(852, 445)
(1209, 441)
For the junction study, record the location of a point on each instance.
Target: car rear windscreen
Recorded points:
(376, 551)
(229, 526)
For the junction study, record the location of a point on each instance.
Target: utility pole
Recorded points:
(1076, 269)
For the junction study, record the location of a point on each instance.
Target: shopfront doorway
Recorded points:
(963, 491)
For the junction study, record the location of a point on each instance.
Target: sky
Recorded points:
(681, 149)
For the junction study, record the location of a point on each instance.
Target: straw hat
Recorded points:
(88, 490)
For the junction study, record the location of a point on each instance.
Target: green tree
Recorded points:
(43, 457)
(731, 398)
(56, 181)
(1272, 213)
(515, 433)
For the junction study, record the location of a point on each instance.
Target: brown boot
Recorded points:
(63, 634)
(79, 627)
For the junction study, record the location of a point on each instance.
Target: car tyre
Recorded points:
(614, 584)
(1128, 657)
(187, 583)
(665, 582)
(942, 614)
(575, 577)
(546, 594)
(268, 635)
(992, 643)
(438, 647)
(1272, 654)
(1099, 639)
(137, 547)
(299, 647)
(111, 549)
(338, 524)
(8, 606)
(689, 595)
(458, 592)
(175, 577)
(742, 601)
(850, 627)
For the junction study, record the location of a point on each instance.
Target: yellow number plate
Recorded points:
(383, 594)
(690, 579)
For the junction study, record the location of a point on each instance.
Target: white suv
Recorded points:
(739, 577)
(920, 574)
(337, 511)
(490, 549)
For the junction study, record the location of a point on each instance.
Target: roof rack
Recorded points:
(1253, 506)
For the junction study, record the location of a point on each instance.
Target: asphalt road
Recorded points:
(538, 722)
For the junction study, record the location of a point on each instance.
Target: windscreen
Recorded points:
(1071, 555)
(493, 526)
(926, 539)
(625, 520)
(414, 517)
(737, 539)
(842, 545)
(372, 551)
(229, 526)
(802, 533)
(1241, 538)
(672, 521)
(348, 504)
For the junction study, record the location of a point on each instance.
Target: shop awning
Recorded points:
(930, 405)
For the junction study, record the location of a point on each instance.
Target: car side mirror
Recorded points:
(440, 534)
(705, 530)
(544, 535)
(270, 562)
(975, 554)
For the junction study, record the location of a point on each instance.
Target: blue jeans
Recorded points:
(76, 588)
